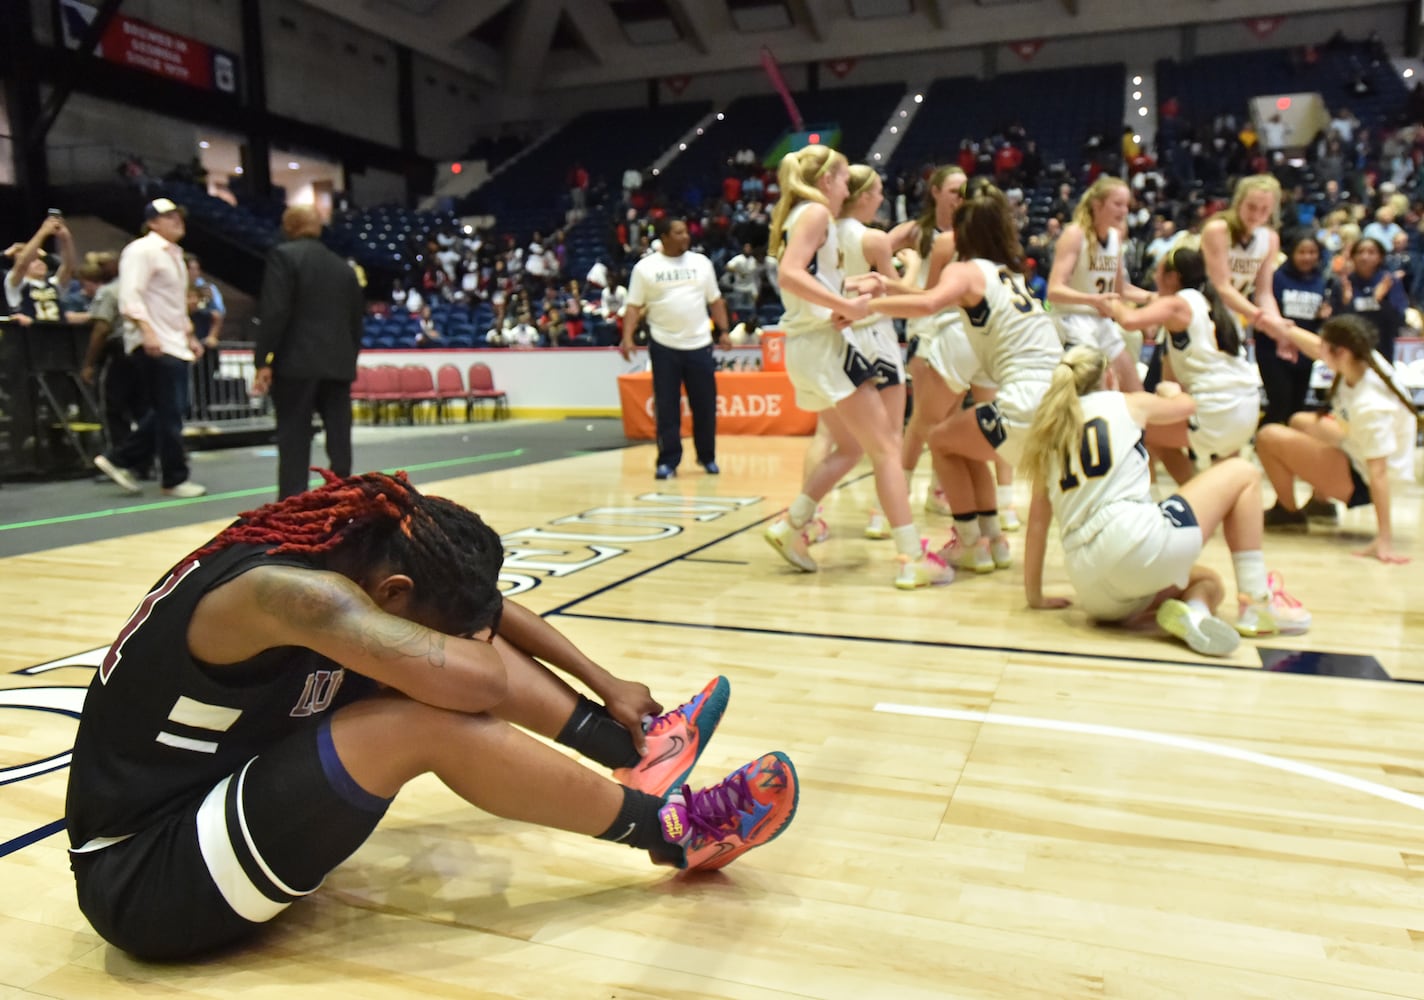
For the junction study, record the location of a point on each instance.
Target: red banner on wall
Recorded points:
(1264, 27)
(1027, 48)
(137, 44)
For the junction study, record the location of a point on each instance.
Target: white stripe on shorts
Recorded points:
(245, 898)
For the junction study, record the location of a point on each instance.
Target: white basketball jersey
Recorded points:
(1095, 272)
(851, 235)
(825, 266)
(1009, 332)
(1109, 465)
(924, 326)
(1198, 363)
(1245, 260)
(1376, 423)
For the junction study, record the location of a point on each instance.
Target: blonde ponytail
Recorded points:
(797, 175)
(1058, 423)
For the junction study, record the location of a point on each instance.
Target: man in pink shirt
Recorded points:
(158, 336)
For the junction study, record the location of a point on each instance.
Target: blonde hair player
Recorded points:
(1089, 276)
(1240, 245)
(1015, 346)
(1204, 354)
(832, 376)
(1125, 554)
(867, 250)
(1353, 452)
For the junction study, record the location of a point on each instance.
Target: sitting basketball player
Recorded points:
(260, 709)
(1125, 554)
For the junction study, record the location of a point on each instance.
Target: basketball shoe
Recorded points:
(1209, 636)
(748, 808)
(878, 526)
(1009, 519)
(1000, 552)
(937, 503)
(975, 558)
(675, 741)
(1277, 614)
(927, 571)
(794, 544)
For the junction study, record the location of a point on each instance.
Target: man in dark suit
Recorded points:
(310, 332)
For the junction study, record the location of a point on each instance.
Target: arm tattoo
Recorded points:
(322, 602)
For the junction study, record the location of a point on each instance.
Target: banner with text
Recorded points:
(137, 44)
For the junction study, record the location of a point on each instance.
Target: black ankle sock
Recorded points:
(966, 518)
(593, 732)
(638, 826)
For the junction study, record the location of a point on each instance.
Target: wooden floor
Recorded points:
(995, 802)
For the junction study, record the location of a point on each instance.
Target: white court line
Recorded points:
(1167, 740)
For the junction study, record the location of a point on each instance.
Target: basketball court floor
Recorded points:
(995, 802)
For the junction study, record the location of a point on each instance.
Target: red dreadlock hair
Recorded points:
(380, 522)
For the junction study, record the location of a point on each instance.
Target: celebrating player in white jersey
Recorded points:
(1089, 276)
(1015, 346)
(865, 249)
(1205, 356)
(1353, 452)
(1240, 245)
(1125, 554)
(831, 375)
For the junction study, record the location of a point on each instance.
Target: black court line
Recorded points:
(33, 837)
(721, 562)
(927, 643)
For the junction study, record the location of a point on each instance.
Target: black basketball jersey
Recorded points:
(39, 300)
(160, 728)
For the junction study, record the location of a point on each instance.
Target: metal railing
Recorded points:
(220, 389)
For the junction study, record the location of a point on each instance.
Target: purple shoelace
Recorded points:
(715, 811)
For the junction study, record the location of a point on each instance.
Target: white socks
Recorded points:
(907, 540)
(1006, 497)
(802, 509)
(1250, 570)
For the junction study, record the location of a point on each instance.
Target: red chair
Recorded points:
(386, 387)
(417, 386)
(482, 389)
(449, 385)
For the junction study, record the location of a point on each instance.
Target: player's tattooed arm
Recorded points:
(330, 603)
(275, 606)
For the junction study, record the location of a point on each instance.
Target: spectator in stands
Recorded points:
(31, 294)
(1273, 133)
(523, 333)
(153, 297)
(311, 321)
(744, 271)
(1383, 229)
(429, 334)
(106, 364)
(206, 311)
(1372, 293)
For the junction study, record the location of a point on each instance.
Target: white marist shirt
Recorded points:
(1376, 424)
(153, 287)
(1198, 362)
(1245, 259)
(674, 292)
(826, 267)
(851, 234)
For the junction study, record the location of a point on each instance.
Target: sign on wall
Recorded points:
(137, 44)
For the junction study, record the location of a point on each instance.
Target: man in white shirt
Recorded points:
(153, 298)
(676, 288)
(745, 272)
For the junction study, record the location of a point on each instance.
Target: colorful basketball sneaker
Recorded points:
(794, 544)
(927, 571)
(975, 558)
(675, 741)
(748, 808)
(1209, 635)
(1278, 614)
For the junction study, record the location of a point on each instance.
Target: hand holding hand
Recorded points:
(1167, 390)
